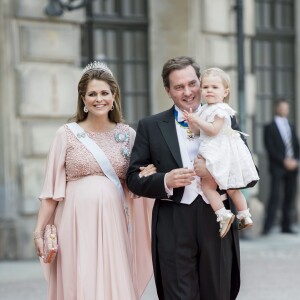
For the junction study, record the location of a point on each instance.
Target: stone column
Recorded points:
(297, 94)
(169, 36)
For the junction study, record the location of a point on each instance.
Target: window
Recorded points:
(116, 33)
(273, 61)
(273, 64)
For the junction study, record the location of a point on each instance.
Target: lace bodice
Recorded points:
(79, 161)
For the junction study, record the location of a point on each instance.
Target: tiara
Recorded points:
(97, 65)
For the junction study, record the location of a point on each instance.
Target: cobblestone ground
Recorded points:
(270, 271)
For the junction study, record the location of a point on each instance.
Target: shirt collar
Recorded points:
(180, 117)
(280, 119)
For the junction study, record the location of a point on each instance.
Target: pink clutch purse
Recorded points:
(50, 243)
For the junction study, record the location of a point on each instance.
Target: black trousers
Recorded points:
(195, 263)
(285, 184)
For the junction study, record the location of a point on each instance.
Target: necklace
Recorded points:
(190, 134)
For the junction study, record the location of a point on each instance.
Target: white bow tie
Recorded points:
(180, 116)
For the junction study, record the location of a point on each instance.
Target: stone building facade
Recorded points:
(40, 65)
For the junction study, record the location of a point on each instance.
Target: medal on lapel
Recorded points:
(190, 134)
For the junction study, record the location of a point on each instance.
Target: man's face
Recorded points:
(184, 88)
(283, 109)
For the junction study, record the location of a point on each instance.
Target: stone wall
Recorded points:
(40, 69)
(205, 30)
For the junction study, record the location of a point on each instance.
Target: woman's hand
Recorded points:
(39, 244)
(147, 171)
(46, 211)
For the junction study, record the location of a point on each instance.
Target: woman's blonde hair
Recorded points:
(220, 73)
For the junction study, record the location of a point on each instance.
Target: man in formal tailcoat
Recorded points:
(282, 145)
(190, 260)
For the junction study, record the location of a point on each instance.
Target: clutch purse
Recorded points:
(50, 243)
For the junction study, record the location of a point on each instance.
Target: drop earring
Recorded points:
(85, 109)
(112, 108)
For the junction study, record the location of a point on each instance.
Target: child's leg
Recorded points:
(209, 188)
(238, 199)
(240, 203)
(224, 216)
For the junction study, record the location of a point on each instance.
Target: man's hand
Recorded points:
(180, 177)
(290, 164)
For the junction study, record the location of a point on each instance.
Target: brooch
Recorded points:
(81, 135)
(121, 137)
(125, 152)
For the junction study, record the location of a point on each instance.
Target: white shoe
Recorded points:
(245, 223)
(225, 222)
(245, 220)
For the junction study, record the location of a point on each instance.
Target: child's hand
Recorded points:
(192, 120)
(189, 116)
(186, 115)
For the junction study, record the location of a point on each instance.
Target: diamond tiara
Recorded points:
(97, 65)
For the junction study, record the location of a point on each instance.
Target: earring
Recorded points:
(85, 109)
(112, 108)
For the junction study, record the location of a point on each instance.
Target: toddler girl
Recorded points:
(228, 161)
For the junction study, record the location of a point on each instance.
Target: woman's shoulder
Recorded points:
(125, 127)
(61, 131)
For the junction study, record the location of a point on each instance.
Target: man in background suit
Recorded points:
(190, 260)
(282, 147)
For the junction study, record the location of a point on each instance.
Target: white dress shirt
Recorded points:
(286, 134)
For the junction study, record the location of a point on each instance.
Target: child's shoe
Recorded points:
(225, 222)
(245, 223)
(245, 220)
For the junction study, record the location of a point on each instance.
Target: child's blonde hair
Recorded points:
(224, 77)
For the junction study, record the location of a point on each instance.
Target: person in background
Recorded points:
(228, 161)
(190, 260)
(282, 146)
(103, 232)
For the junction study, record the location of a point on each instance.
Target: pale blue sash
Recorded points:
(102, 160)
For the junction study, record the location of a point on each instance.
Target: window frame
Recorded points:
(120, 24)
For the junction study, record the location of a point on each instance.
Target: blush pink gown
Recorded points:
(97, 258)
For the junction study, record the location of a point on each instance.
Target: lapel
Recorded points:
(168, 130)
(277, 133)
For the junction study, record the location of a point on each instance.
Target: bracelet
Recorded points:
(38, 234)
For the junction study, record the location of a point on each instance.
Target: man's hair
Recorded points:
(178, 63)
(280, 100)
